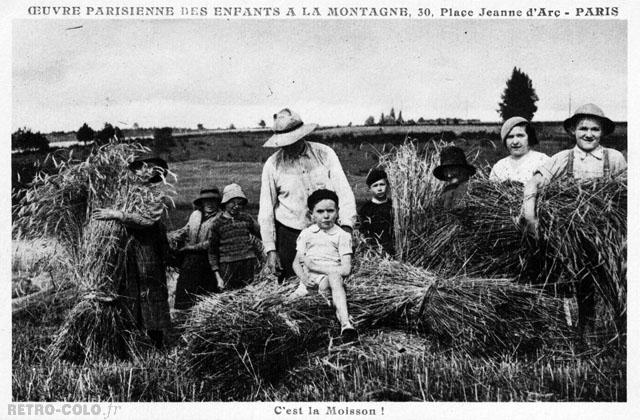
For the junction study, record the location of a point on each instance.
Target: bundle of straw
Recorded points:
(60, 204)
(582, 228)
(474, 314)
(97, 248)
(251, 336)
(242, 338)
(414, 189)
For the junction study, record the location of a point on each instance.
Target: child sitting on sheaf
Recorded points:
(455, 171)
(323, 257)
(376, 215)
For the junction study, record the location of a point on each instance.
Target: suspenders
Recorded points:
(606, 165)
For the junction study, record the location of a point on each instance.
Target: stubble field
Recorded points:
(412, 368)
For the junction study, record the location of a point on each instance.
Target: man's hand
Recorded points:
(106, 214)
(273, 263)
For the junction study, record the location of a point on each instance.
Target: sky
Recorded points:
(182, 73)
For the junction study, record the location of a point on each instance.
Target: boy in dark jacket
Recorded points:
(376, 215)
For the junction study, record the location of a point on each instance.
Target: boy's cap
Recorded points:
(319, 195)
(232, 191)
(375, 175)
(452, 156)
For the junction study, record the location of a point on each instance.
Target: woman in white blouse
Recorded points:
(518, 136)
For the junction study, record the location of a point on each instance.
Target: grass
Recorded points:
(192, 175)
(367, 374)
(403, 372)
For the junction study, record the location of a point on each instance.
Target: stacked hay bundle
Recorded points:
(61, 205)
(582, 227)
(254, 335)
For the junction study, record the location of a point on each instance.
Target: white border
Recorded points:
(629, 10)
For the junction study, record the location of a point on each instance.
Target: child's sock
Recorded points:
(299, 292)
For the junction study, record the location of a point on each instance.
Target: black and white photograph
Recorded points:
(329, 209)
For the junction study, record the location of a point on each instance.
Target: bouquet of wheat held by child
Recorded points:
(61, 205)
(414, 189)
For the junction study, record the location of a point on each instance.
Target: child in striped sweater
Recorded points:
(232, 253)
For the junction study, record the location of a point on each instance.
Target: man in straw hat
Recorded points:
(289, 176)
(587, 160)
(196, 276)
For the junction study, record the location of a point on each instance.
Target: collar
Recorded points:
(376, 201)
(597, 153)
(315, 229)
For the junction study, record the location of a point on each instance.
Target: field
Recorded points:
(408, 368)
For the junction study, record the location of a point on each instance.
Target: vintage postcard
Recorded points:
(319, 209)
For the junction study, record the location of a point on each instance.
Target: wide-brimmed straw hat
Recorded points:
(288, 128)
(449, 157)
(207, 193)
(232, 191)
(159, 166)
(589, 111)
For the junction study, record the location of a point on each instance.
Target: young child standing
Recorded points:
(455, 171)
(376, 215)
(323, 257)
(232, 250)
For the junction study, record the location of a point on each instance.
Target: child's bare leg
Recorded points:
(339, 299)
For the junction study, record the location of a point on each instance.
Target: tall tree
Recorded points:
(519, 97)
(400, 120)
(85, 134)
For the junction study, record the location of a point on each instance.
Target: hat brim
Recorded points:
(225, 200)
(569, 124)
(285, 139)
(215, 197)
(438, 172)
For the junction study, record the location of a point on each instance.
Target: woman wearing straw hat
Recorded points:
(196, 276)
(518, 137)
(587, 160)
(232, 254)
(289, 176)
(144, 288)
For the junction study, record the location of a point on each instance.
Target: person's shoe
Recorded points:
(349, 335)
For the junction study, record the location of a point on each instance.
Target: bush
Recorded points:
(25, 139)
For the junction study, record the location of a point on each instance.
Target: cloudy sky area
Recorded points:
(218, 72)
